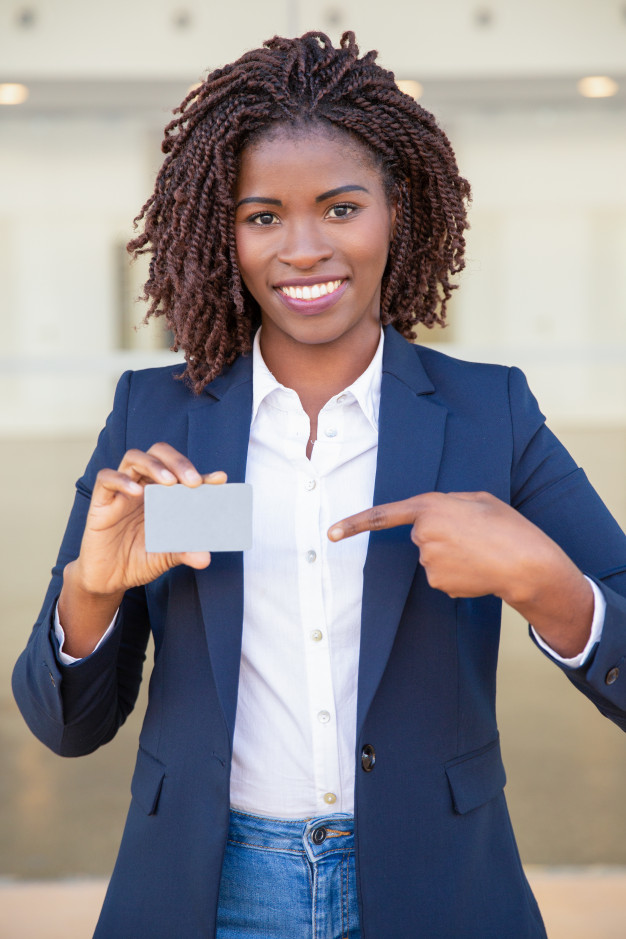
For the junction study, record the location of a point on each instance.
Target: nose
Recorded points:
(304, 244)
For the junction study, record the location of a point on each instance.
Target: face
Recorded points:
(313, 227)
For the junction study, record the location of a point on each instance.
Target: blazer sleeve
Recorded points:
(553, 492)
(74, 709)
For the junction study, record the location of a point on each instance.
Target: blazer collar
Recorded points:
(401, 359)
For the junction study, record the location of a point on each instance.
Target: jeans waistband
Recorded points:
(315, 837)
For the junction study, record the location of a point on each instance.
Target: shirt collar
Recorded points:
(365, 389)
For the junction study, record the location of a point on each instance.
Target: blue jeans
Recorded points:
(289, 879)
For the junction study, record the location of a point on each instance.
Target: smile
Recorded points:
(314, 292)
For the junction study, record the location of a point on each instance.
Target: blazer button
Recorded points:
(368, 758)
(612, 675)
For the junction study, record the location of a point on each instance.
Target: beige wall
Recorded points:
(449, 38)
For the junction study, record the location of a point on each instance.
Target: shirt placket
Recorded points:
(312, 559)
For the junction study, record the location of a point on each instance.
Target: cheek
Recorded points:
(246, 256)
(375, 250)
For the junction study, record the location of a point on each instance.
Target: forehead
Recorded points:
(304, 153)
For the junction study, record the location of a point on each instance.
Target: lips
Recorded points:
(312, 297)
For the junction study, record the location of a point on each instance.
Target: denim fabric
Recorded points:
(289, 879)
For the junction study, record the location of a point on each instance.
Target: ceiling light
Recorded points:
(597, 86)
(12, 93)
(412, 88)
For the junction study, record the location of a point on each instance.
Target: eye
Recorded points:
(263, 219)
(341, 210)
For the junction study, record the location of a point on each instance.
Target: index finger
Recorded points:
(176, 463)
(389, 515)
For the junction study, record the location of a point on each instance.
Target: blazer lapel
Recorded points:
(219, 429)
(410, 444)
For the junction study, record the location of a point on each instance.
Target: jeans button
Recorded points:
(318, 836)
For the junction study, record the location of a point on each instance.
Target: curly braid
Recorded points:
(188, 221)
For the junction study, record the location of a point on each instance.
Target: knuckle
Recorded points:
(377, 518)
(130, 458)
(434, 580)
(105, 474)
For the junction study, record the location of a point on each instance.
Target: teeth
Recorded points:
(313, 292)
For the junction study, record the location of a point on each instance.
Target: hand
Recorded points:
(472, 544)
(113, 556)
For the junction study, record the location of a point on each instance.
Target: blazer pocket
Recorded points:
(476, 777)
(147, 781)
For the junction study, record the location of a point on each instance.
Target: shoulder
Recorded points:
(166, 381)
(478, 393)
(443, 368)
(482, 388)
(150, 404)
(464, 385)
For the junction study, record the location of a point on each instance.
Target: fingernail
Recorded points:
(166, 475)
(335, 534)
(135, 487)
(191, 476)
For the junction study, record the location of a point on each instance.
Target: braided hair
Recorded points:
(188, 221)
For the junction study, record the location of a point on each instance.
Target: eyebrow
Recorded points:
(339, 190)
(264, 200)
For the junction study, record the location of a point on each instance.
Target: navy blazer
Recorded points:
(435, 852)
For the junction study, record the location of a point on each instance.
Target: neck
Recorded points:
(316, 372)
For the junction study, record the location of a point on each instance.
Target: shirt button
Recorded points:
(612, 675)
(342, 398)
(323, 717)
(310, 484)
(331, 431)
(311, 556)
(316, 635)
(330, 798)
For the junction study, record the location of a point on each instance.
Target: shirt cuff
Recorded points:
(64, 657)
(599, 610)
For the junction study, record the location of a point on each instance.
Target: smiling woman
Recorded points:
(320, 755)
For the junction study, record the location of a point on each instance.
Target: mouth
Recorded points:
(310, 299)
(311, 291)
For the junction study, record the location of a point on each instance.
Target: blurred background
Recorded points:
(533, 97)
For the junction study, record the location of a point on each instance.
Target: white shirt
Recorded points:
(296, 710)
(295, 732)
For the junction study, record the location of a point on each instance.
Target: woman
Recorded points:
(359, 791)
